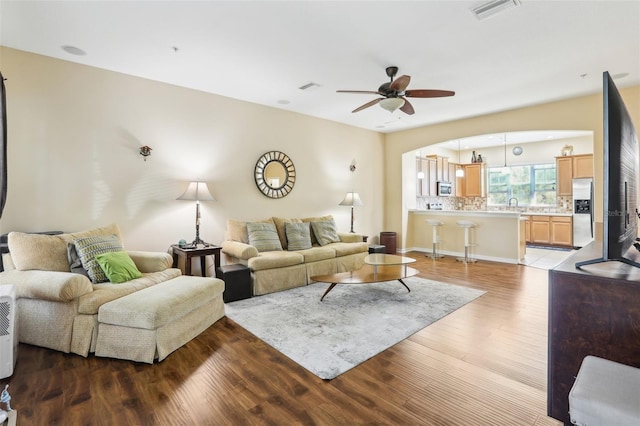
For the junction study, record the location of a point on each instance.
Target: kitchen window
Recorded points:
(533, 184)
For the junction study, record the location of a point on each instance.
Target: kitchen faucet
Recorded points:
(511, 199)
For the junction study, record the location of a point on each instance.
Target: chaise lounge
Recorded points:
(142, 318)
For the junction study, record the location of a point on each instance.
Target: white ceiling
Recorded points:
(263, 51)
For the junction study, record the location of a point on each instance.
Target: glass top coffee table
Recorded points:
(378, 268)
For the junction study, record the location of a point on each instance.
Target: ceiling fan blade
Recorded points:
(425, 93)
(367, 105)
(400, 83)
(407, 108)
(359, 91)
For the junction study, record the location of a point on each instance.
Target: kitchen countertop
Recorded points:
(503, 213)
(492, 213)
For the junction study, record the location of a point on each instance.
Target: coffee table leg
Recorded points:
(405, 286)
(328, 290)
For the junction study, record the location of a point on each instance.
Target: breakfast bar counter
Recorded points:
(498, 235)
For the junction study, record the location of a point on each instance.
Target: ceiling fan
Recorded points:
(395, 93)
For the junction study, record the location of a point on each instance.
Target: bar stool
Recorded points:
(435, 224)
(467, 225)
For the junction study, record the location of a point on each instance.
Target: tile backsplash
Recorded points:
(564, 205)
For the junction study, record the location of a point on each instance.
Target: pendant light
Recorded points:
(459, 170)
(505, 170)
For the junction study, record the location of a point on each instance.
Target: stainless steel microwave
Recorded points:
(444, 189)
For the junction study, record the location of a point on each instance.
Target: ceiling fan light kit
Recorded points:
(395, 93)
(392, 104)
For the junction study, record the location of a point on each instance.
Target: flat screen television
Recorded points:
(621, 176)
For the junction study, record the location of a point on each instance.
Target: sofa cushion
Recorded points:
(118, 266)
(315, 254)
(263, 236)
(345, 249)
(90, 247)
(280, 223)
(49, 252)
(275, 259)
(325, 232)
(37, 251)
(106, 292)
(298, 236)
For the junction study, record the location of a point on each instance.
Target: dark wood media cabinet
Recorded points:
(595, 311)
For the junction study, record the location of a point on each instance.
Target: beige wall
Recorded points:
(75, 132)
(583, 113)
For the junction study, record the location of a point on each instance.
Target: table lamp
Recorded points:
(352, 199)
(197, 191)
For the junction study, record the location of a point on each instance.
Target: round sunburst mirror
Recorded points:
(275, 174)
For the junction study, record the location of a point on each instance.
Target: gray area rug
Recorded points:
(352, 324)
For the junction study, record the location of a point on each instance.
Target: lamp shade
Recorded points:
(352, 199)
(391, 104)
(197, 191)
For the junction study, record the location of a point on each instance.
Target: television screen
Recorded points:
(621, 175)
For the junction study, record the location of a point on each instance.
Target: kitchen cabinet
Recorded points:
(473, 180)
(564, 175)
(583, 166)
(551, 230)
(452, 178)
(426, 185)
(527, 228)
(572, 167)
(561, 231)
(442, 167)
(540, 229)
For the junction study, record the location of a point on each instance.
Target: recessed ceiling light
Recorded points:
(74, 50)
(284, 102)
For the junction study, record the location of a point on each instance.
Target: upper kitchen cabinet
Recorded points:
(442, 167)
(582, 166)
(571, 167)
(427, 174)
(473, 180)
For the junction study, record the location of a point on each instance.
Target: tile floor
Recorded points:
(544, 258)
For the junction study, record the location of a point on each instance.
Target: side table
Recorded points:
(201, 252)
(237, 282)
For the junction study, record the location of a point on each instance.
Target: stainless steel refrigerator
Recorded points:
(582, 212)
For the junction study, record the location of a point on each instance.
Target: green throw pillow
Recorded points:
(298, 235)
(88, 248)
(118, 266)
(325, 232)
(263, 236)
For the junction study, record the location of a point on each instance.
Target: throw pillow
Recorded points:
(325, 232)
(263, 236)
(314, 240)
(88, 248)
(298, 235)
(75, 263)
(118, 266)
(37, 251)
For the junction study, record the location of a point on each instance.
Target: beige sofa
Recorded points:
(57, 308)
(282, 269)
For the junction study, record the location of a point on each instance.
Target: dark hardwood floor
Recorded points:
(484, 364)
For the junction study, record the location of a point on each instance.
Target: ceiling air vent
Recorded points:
(490, 8)
(309, 86)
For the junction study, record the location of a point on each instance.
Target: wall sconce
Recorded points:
(145, 151)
